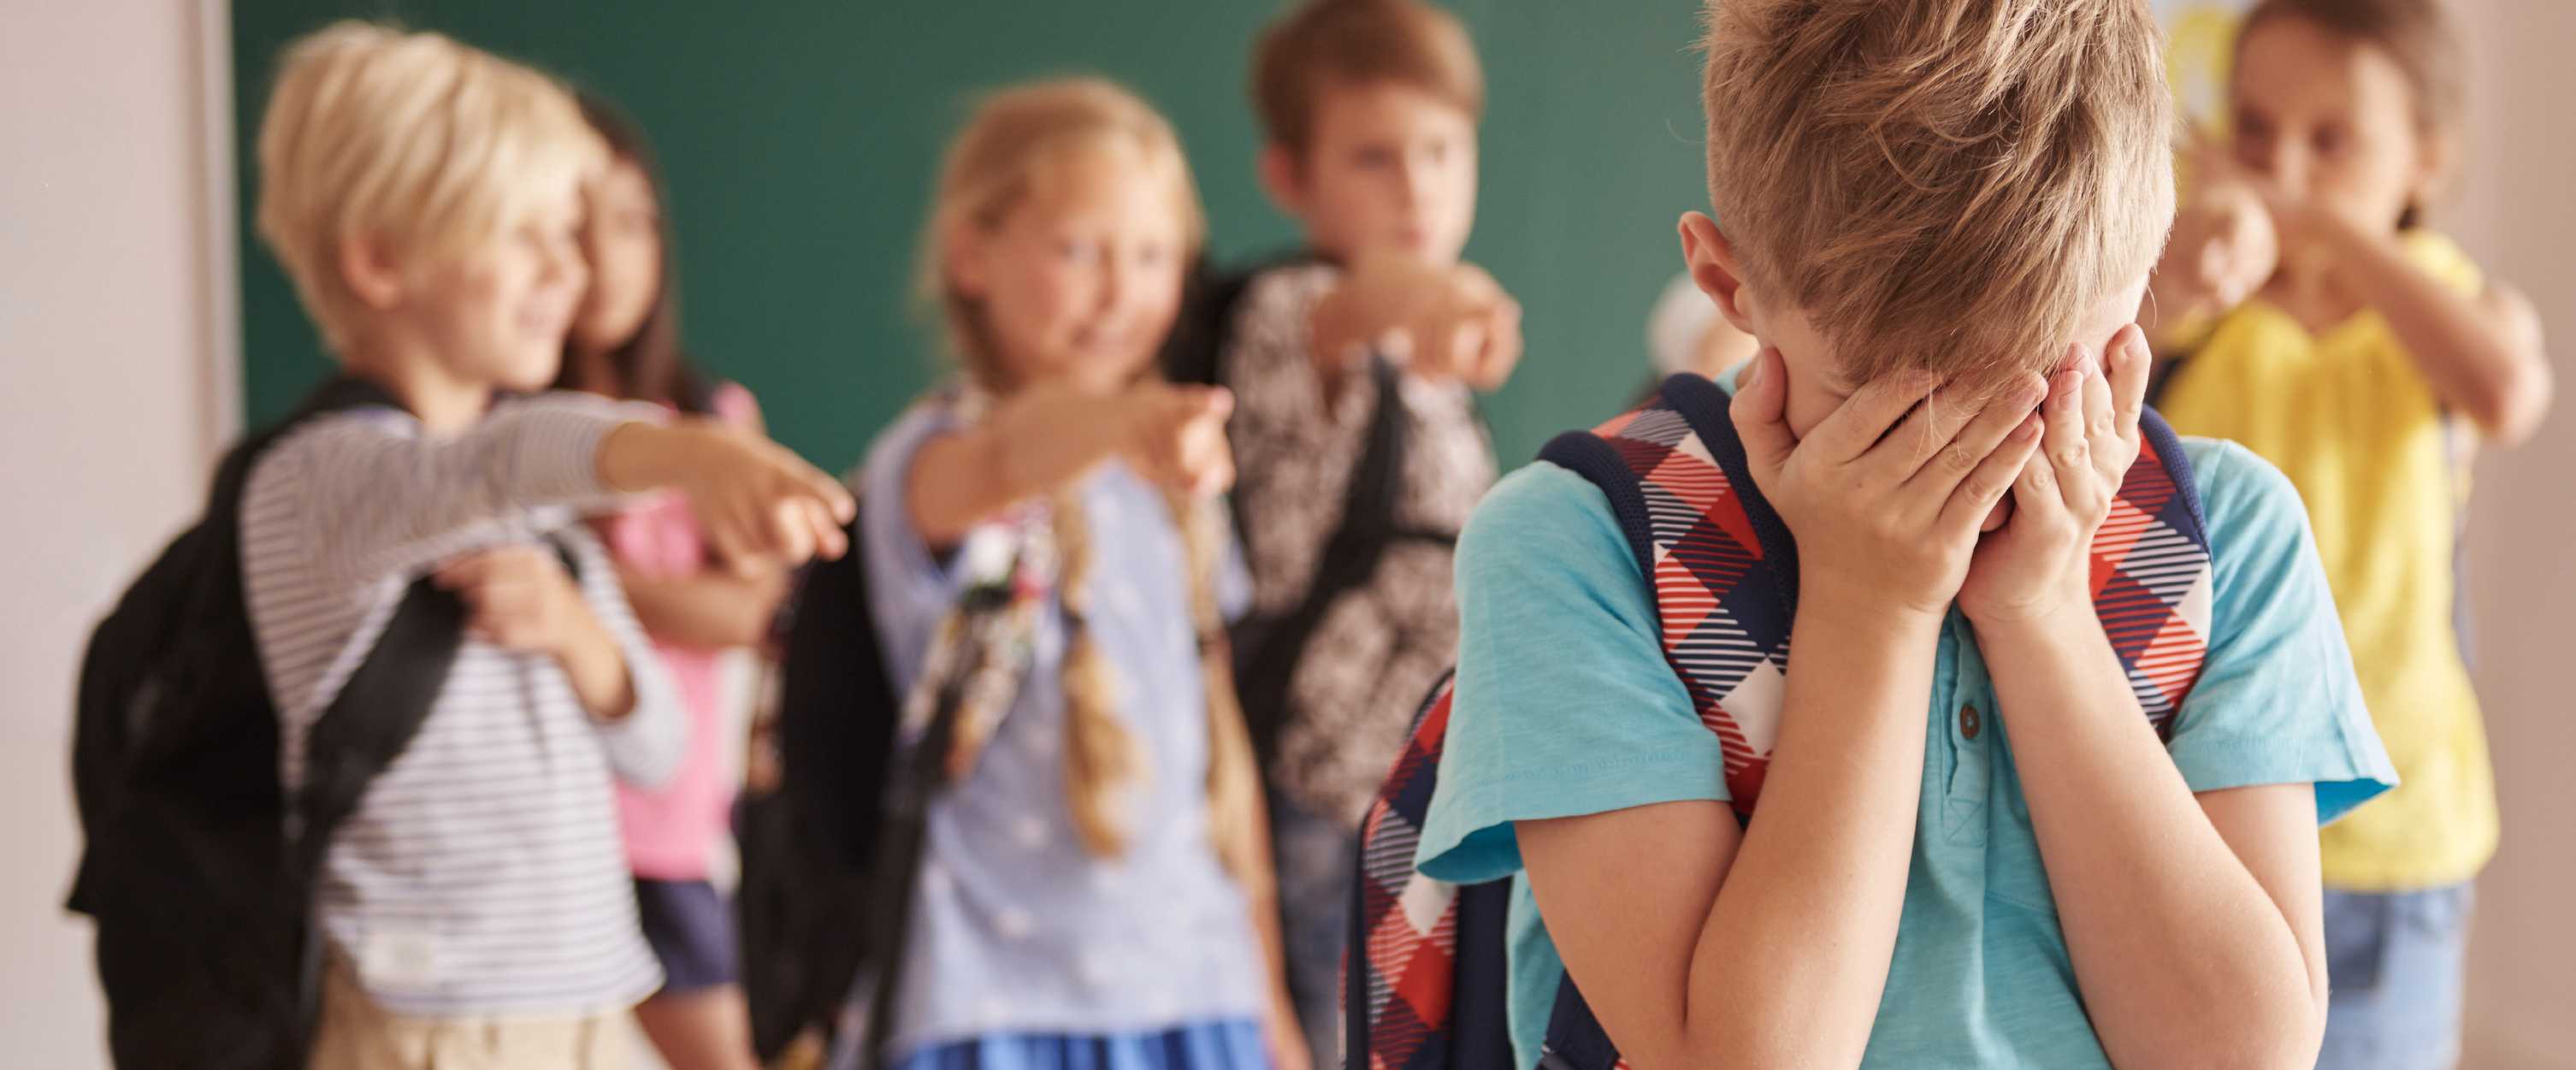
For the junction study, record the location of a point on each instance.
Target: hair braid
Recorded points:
(1101, 758)
(1233, 775)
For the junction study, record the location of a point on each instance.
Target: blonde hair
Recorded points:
(1009, 149)
(432, 145)
(1001, 158)
(1943, 185)
(1324, 44)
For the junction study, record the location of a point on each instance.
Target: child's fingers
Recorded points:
(830, 542)
(1994, 476)
(1760, 413)
(790, 538)
(2105, 441)
(1855, 427)
(1953, 459)
(1927, 441)
(2131, 364)
(1502, 345)
(2070, 457)
(828, 494)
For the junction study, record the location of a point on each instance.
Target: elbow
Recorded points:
(2510, 415)
(2279, 1031)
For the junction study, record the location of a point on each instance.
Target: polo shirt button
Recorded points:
(1969, 721)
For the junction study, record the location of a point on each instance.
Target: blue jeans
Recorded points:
(1315, 859)
(2395, 962)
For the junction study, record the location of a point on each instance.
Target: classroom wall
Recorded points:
(2516, 217)
(801, 138)
(115, 332)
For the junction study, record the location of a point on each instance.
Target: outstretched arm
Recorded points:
(1047, 435)
(1809, 897)
(2194, 923)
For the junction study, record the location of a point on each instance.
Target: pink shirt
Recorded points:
(671, 832)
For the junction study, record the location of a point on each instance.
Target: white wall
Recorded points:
(115, 387)
(2518, 217)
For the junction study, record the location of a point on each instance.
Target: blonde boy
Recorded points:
(1972, 848)
(476, 908)
(1356, 437)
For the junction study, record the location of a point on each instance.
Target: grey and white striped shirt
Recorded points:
(482, 872)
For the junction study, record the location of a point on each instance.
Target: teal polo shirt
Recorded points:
(1565, 706)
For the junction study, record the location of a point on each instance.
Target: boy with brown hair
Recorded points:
(1990, 833)
(475, 906)
(1356, 436)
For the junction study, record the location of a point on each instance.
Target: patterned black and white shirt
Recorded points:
(1381, 644)
(482, 873)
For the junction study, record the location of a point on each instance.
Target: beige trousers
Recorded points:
(356, 1034)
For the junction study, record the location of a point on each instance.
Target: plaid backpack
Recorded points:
(1425, 980)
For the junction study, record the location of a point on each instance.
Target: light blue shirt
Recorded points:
(1017, 929)
(1565, 706)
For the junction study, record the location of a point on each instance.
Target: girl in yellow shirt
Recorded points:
(2310, 318)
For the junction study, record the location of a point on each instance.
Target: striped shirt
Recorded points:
(482, 873)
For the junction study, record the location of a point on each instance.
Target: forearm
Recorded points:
(1808, 899)
(1041, 439)
(371, 499)
(2183, 957)
(2473, 357)
(709, 611)
(1812, 900)
(596, 666)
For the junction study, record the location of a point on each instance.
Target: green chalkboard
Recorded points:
(800, 140)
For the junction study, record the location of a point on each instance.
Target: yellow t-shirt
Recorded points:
(2346, 415)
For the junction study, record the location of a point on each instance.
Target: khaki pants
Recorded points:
(355, 1034)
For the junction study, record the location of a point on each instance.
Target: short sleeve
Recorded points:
(2277, 701)
(909, 589)
(1564, 703)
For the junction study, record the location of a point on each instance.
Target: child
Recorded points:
(625, 343)
(1091, 879)
(424, 198)
(1972, 849)
(2366, 359)
(1356, 432)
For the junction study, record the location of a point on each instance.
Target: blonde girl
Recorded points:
(1043, 539)
(2319, 322)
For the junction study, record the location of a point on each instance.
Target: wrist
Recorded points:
(2065, 624)
(1866, 607)
(639, 455)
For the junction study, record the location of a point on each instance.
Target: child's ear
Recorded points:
(961, 258)
(372, 270)
(1714, 268)
(1283, 177)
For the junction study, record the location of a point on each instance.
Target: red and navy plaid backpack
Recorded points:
(1425, 981)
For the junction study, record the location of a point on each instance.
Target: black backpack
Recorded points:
(198, 867)
(1269, 646)
(809, 841)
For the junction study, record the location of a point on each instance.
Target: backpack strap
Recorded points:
(1269, 648)
(1725, 584)
(1724, 569)
(1426, 984)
